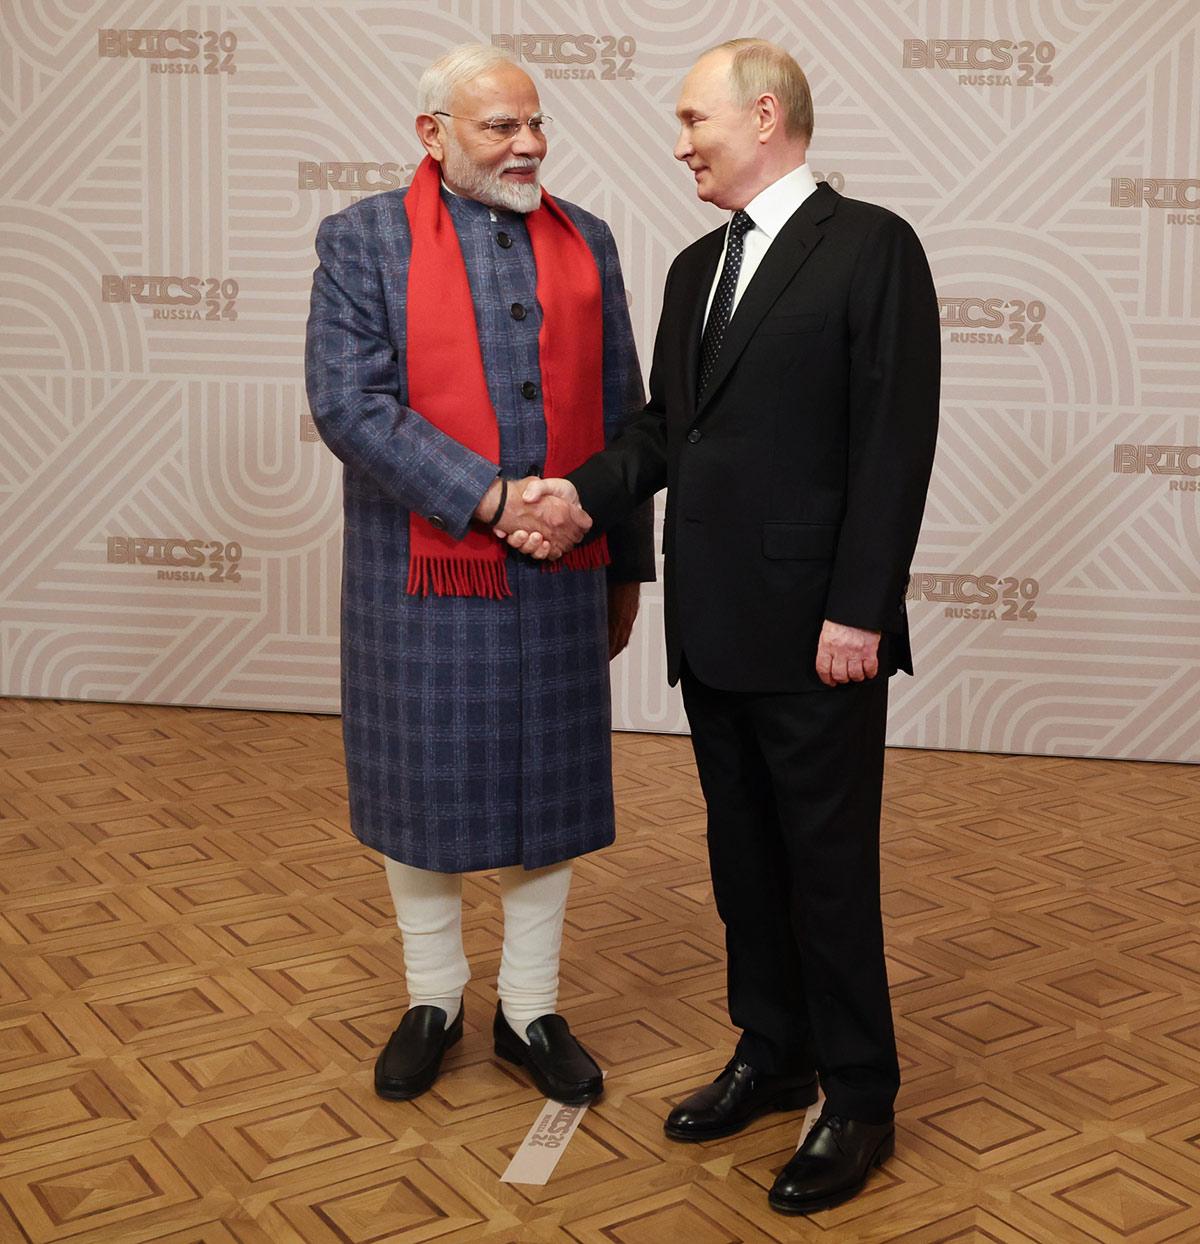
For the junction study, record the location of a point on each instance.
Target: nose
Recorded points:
(528, 143)
(683, 144)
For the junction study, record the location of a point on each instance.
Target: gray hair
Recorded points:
(461, 64)
(762, 68)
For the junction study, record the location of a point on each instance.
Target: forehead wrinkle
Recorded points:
(500, 89)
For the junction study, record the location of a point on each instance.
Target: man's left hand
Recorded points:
(846, 654)
(622, 613)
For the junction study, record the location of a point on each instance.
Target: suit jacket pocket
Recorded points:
(806, 322)
(799, 541)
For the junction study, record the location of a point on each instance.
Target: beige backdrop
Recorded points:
(169, 525)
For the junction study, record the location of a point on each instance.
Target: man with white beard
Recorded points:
(467, 334)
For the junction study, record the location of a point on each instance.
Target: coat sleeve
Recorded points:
(354, 376)
(634, 466)
(895, 364)
(630, 542)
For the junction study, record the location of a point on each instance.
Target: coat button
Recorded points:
(534, 468)
(504, 240)
(694, 435)
(529, 390)
(518, 311)
(437, 522)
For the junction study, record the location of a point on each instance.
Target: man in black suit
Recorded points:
(792, 418)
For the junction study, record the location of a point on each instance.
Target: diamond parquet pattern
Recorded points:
(198, 964)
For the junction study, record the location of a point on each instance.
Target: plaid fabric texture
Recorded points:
(476, 731)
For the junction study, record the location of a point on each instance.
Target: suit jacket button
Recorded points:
(504, 240)
(534, 468)
(529, 390)
(517, 311)
(437, 522)
(694, 435)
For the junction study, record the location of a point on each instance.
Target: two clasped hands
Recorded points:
(543, 519)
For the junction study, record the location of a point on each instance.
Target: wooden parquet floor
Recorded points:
(199, 964)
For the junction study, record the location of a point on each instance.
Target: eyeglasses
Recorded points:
(501, 129)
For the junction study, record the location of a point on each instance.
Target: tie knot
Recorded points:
(740, 224)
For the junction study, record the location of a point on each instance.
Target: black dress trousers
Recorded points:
(793, 784)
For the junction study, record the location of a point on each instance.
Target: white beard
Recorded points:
(488, 185)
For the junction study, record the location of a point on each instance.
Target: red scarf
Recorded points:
(446, 382)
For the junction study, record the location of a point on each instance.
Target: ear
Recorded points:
(430, 134)
(767, 116)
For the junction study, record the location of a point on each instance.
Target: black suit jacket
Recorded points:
(796, 483)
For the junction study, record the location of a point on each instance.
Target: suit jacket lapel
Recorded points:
(695, 283)
(786, 255)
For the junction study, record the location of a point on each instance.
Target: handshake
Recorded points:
(541, 517)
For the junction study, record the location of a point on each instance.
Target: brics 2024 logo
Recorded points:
(213, 298)
(1168, 193)
(358, 176)
(981, 597)
(196, 560)
(993, 321)
(984, 62)
(1181, 463)
(173, 51)
(608, 58)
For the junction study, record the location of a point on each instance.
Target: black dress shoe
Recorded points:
(412, 1058)
(736, 1097)
(559, 1065)
(832, 1165)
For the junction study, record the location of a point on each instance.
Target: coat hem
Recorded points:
(484, 862)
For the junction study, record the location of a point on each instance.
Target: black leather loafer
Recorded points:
(559, 1066)
(735, 1098)
(412, 1058)
(832, 1165)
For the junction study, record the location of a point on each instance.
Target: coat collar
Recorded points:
(787, 254)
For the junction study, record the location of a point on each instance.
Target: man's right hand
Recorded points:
(529, 538)
(548, 518)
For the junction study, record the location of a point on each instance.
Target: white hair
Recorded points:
(459, 65)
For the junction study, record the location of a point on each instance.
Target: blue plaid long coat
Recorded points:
(477, 731)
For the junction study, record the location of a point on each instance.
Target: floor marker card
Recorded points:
(535, 1160)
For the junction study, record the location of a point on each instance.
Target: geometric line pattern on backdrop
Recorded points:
(171, 527)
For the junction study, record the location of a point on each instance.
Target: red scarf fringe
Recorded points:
(456, 576)
(589, 556)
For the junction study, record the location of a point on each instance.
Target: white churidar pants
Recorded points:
(429, 915)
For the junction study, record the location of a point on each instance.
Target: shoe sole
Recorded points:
(515, 1056)
(409, 1093)
(799, 1099)
(880, 1156)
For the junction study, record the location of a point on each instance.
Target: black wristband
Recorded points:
(503, 502)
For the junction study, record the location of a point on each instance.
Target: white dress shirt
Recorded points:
(770, 210)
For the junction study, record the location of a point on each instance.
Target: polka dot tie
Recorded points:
(722, 306)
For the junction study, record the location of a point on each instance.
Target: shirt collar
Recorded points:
(475, 206)
(770, 209)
